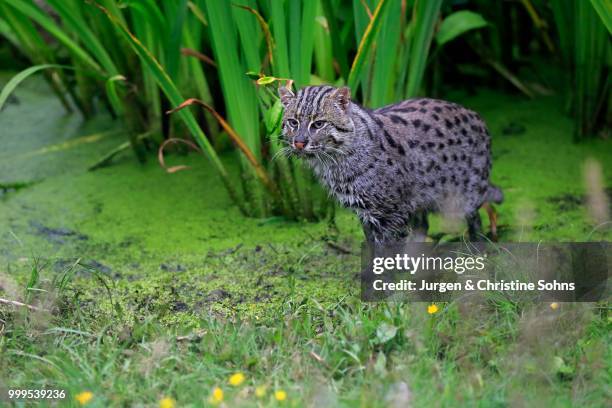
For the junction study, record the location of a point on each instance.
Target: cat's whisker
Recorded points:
(331, 158)
(335, 149)
(284, 151)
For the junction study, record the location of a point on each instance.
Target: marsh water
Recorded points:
(174, 242)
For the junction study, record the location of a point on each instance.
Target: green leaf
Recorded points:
(385, 332)
(113, 96)
(604, 9)
(20, 77)
(273, 117)
(560, 366)
(457, 24)
(266, 80)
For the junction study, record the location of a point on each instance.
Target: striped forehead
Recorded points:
(310, 99)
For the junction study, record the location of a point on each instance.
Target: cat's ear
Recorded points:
(286, 96)
(342, 97)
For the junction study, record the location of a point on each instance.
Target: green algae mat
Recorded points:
(150, 288)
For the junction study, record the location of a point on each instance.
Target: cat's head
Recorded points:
(317, 120)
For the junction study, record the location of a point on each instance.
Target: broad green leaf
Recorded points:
(457, 24)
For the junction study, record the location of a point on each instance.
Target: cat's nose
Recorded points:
(299, 145)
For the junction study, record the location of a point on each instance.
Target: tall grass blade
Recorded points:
(365, 44)
(592, 45)
(280, 67)
(425, 15)
(323, 53)
(30, 42)
(604, 9)
(72, 18)
(309, 10)
(113, 95)
(264, 27)
(295, 20)
(339, 49)
(238, 91)
(387, 44)
(175, 12)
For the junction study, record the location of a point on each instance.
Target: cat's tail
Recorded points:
(494, 194)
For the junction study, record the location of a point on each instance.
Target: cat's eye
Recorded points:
(293, 123)
(318, 124)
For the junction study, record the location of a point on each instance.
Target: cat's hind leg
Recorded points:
(419, 225)
(474, 224)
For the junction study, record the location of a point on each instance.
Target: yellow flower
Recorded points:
(260, 391)
(84, 397)
(280, 395)
(431, 309)
(236, 379)
(167, 403)
(216, 396)
(554, 306)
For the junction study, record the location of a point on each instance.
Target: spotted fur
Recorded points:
(392, 164)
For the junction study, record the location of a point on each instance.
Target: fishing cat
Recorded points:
(392, 165)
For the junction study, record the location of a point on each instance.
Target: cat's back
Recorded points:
(448, 144)
(433, 125)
